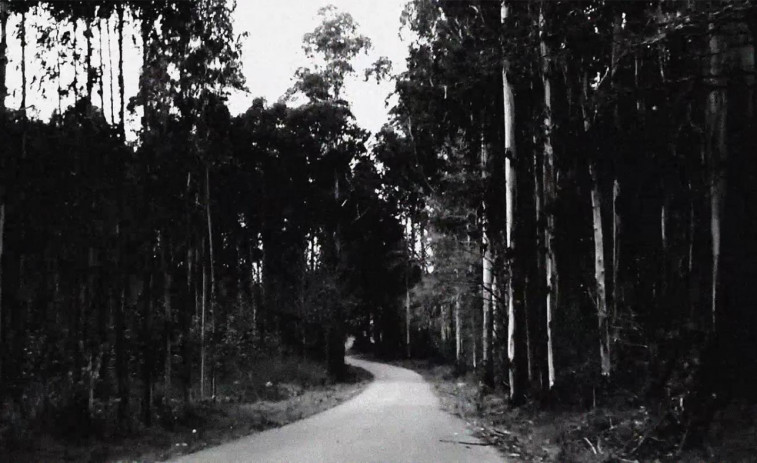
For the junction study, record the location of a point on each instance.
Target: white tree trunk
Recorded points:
(599, 275)
(549, 182)
(495, 312)
(510, 180)
(487, 258)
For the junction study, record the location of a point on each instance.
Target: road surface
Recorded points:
(396, 419)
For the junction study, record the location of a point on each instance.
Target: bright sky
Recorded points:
(272, 54)
(273, 50)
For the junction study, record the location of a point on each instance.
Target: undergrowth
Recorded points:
(266, 393)
(608, 426)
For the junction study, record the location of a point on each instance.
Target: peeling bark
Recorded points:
(513, 317)
(600, 275)
(549, 192)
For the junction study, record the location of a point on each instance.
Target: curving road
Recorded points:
(396, 419)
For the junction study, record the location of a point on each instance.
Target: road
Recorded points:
(396, 419)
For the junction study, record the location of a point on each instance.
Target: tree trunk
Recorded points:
(2, 312)
(514, 345)
(147, 347)
(202, 326)
(715, 127)
(122, 356)
(336, 331)
(407, 287)
(599, 274)
(407, 315)
(254, 292)
(616, 224)
(94, 343)
(210, 267)
(110, 76)
(187, 322)
(165, 257)
(487, 267)
(458, 331)
(549, 192)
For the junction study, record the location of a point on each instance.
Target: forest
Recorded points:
(561, 203)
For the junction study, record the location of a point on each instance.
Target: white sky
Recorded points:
(272, 53)
(273, 50)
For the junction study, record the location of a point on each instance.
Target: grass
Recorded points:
(275, 392)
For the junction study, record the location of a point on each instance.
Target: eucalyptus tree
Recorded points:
(332, 47)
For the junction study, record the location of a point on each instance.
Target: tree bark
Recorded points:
(147, 357)
(122, 357)
(600, 274)
(616, 224)
(210, 258)
(187, 322)
(487, 267)
(110, 75)
(458, 331)
(514, 345)
(407, 287)
(202, 327)
(715, 127)
(549, 192)
(165, 257)
(2, 312)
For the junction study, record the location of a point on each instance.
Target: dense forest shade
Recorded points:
(580, 178)
(563, 201)
(137, 277)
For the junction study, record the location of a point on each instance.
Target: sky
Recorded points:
(272, 52)
(273, 49)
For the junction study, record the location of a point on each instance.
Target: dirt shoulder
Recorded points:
(203, 425)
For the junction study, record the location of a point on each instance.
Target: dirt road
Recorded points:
(396, 419)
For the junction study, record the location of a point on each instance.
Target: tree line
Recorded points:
(137, 276)
(579, 182)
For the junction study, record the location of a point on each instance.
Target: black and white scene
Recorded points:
(378, 231)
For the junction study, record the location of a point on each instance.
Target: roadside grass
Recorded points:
(620, 430)
(271, 393)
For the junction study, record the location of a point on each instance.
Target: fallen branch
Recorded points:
(593, 449)
(482, 444)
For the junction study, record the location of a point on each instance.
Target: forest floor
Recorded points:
(617, 431)
(281, 393)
